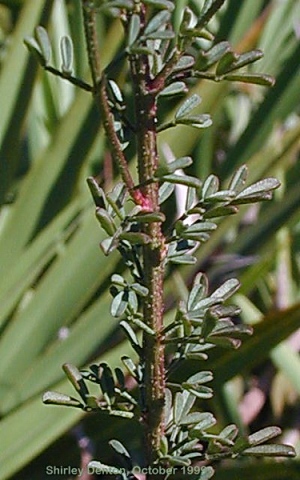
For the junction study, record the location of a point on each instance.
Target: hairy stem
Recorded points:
(153, 254)
(101, 98)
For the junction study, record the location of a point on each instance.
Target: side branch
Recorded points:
(101, 98)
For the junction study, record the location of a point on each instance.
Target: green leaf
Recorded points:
(161, 35)
(145, 217)
(66, 50)
(121, 450)
(107, 382)
(239, 178)
(165, 190)
(184, 259)
(76, 379)
(156, 22)
(182, 180)
(43, 41)
(248, 58)
(227, 62)
(227, 289)
(139, 323)
(199, 227)
(135, 238)
(161, 4)
(119, 304)
(214, 54)
(197, 121)
(257, 79)
(55, 398)
(184, 63)
(210, 186)
(188, 105)
(173, 89)
(134, 29)
(260, 187)
(263, 435)
(207, 421)
(131, 335)
(200, 377)
(267, 334)
(270, 451)
(140, 289)
(116, 91)
(106, 221)
(130, 365)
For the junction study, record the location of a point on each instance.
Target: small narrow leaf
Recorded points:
(97, 192)
(76, 379)
(226, 62)
(130, 365)
(55, 398)
(161, 35)
(119, 304)
(140, 289)
(239, 178)
(227, 289)
(247, 58)
(189, 104)
(106, 221)
(135, 238)
(139, 323)
(151, 217)
(184, 259)
(263, 435)
(134, 29)
(263, 186)
(200, 377)
(116, 91)
(174, 89)
(214, 54)
(220, 211)
(192, 418)
(185, 62)
(131, 335)
(210, 186)
(199, 227)
(182, 180)
(254, 78)
(42, 38)
(165, 191)
(66, 50)
(208, 421)
(272, 450)
(197, 121)
(182, 162)
(121, 450)
(199, 391)
(161, 4)
(107, 382)
(160, 19)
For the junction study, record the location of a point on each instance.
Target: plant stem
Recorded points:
(147, 196)
(101, 98)
(153, 254)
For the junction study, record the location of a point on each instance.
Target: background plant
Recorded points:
(48, 268)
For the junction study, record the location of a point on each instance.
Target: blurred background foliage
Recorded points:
(54, 299)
